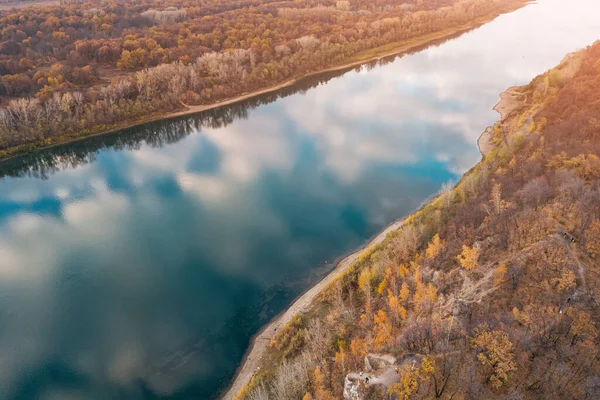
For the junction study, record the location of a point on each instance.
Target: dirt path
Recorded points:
(581, 267)
(261, 342)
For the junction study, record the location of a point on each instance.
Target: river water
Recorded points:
(138, 265)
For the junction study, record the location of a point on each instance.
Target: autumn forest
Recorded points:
(82, 68)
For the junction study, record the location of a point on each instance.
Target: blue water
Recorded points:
(138, 265)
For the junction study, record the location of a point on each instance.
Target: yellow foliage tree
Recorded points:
(587, 167)
(496, 353)
(521, 317)
(382, 286)
(402, 313)
(469, 258)
(391, 280)
(583, 326)
(404, 293)
(403, 271)
(496, 203)
(593, 239)
(358, 348)
(500, 274)
(397, 312)
(427, 366)
(320, 380)
(435, 246)
(408, 385)
(393, 305)
(383, 330)
(566, 281)
(425, 296)
(364, 282)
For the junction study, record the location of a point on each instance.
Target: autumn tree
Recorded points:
(364, 282)
(320, 384)
(496, 204)
(440, 376)
(408, 385)
(435, 247)
(495, 351)
(469, 258)
(382, 330)
(566, 281)
(359, 348)
(500, 274)
(397, 311)
(593, 239)
(404, 293)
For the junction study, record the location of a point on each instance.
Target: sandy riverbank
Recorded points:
(510, 100)
(260, 343)
(364, 58)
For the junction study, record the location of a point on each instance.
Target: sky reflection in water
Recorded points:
(144, 271)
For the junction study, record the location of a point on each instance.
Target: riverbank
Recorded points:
(510, 100)
(260, 343)
(392, 49)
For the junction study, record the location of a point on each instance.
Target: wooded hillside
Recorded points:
(87, 67)
(491, 290)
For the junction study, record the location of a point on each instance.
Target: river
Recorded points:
(138, 265)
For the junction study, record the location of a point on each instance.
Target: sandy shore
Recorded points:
(260, 343)
(510, 100)
(484, 142)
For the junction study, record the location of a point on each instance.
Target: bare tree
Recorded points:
(292, 378)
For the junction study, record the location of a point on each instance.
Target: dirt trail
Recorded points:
(261, 341)
(581, 267)
(475, 292)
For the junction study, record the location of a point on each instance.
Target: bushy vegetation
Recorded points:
(494, 284)
(82, 68)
